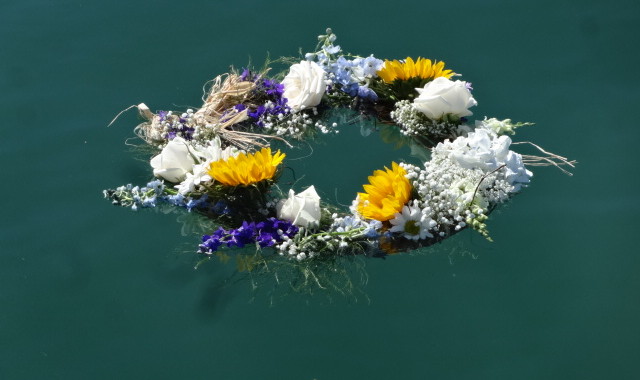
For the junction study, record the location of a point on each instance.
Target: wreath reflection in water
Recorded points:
(218, 160)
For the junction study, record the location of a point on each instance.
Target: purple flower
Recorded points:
(266, 239)
(210, 244)
(274, 104)
(266, 234)
(272, 87)
(257, 113)
(246, 75)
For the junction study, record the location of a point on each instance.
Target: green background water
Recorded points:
(88, 290)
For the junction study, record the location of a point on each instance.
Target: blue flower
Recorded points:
(372, 229)
(371, 65)
(157, 186)
(176, 200)
(331, 49)
(352, 89)
(365, 92)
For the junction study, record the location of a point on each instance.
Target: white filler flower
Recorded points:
(443, 96)
(304, 85)
(302, 209)
(174, 162)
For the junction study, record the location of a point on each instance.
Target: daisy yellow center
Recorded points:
(421, 68)
(411, 227)
(246, 169)
(388, 190)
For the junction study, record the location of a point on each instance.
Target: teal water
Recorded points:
(89, 290)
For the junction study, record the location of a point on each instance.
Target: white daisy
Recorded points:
(411, 223)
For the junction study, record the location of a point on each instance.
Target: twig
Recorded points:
(552, 159)
(482, 179)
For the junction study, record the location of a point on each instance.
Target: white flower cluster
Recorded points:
(296, 248)
(413, 123)
(297, 125)
(464, 179)
(486, 150)
(446, 195)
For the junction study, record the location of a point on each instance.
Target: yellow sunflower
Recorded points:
(422, 68)
(246, 169)
(388, 190)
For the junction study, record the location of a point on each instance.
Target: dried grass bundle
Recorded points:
(226, 91)
(216, 117)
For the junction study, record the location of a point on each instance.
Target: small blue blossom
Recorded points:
(331, 49)
(157, 186)
(371, 65)
(365, 92)
(176, 200)
(372, 229)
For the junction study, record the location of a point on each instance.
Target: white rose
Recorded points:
(174, 161)
(304, 85)
(302, 209)
(442, 96)
(205, 154)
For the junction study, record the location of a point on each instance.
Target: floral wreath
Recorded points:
(218, 160)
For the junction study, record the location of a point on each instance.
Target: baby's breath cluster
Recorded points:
(297, 125)
(414, 123)
(447, 194)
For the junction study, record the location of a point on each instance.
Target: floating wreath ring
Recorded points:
(218, 160)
